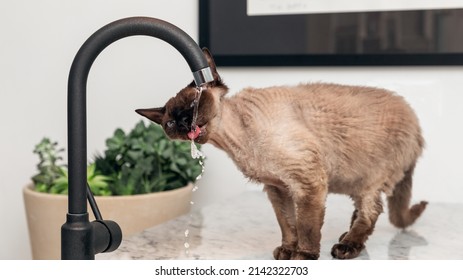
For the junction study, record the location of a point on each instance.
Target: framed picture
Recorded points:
(300, 33)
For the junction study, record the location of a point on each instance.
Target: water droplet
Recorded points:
(195, 154)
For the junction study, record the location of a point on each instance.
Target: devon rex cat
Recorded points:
(303, 142)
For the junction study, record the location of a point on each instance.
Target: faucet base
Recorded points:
(77, 238)
(82, 239)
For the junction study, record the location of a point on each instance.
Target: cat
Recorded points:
(303, 142)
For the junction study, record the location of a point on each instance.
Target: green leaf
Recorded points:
(117, 141)
(50, 166)
(135, 155)
(181, 161)
(40, 187)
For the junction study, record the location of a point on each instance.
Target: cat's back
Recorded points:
(340, 118)
(347, 97)
(326, 99)
(368, 107)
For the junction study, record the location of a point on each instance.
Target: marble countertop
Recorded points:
(245, 228)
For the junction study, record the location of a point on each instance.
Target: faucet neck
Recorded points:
(77, 122)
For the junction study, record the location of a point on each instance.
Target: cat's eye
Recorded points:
(170, 123)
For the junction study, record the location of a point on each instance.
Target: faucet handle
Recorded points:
(107, 236)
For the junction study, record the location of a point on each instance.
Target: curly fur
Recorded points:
(305, 141)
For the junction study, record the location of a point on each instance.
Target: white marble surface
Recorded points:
(245, 228)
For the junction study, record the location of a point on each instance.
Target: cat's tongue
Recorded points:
(193, 134)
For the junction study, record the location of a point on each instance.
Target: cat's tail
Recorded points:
(401, 214)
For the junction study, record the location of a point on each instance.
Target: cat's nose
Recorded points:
(184, 122)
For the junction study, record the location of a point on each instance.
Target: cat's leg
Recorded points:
(352, 220)
(310, 212)
(304, 174)
(308, 188)
(284, 211)
(368, 208)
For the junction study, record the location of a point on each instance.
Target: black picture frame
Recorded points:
(227, 31)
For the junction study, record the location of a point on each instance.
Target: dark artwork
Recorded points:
(422, 37)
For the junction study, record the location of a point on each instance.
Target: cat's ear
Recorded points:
(218, 84)
(154, 114)
(210, 61)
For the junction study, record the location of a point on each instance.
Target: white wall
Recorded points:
(40, 38)
(38, 41)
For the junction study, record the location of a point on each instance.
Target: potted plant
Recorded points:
(140, 180)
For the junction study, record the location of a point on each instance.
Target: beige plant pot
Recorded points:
(46, 213)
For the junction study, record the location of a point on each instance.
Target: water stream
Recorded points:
(195, 154)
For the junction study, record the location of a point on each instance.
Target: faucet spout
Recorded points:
(77, 234)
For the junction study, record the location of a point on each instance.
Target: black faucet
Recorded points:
(80, 238)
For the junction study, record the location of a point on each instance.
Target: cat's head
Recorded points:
(177, 114)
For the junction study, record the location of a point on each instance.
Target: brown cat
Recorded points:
(304, 141)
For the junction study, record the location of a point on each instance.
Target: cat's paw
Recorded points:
(346, 250)
(300, 255)
(282, 253)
